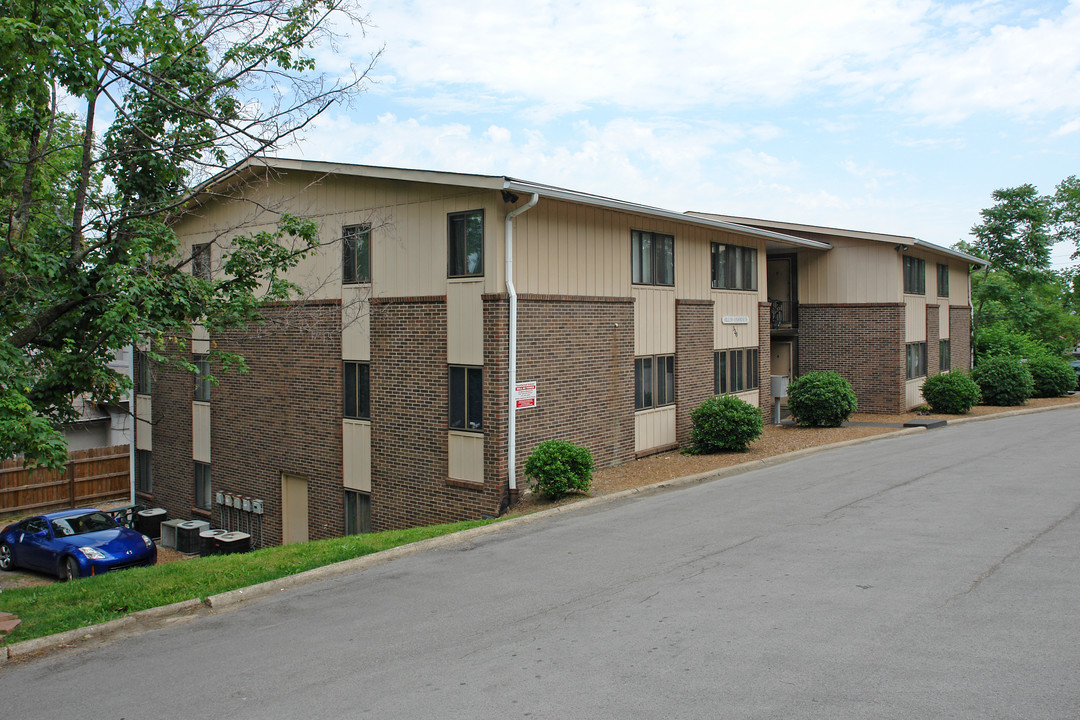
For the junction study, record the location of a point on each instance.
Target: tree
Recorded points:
(109, 113)
(1017, 293)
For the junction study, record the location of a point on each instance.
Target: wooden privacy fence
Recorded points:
(91, 476)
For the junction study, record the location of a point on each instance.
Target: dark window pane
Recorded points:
(723, 373)
(350, 390)
(348, 256)
(665, 260)
(364, 390)
(476, 398)
(474, 244)
(666, 381)
(736, 370)
(457, 398)
(465, 244)
(752, 369)
(639, 385)
(647, 382)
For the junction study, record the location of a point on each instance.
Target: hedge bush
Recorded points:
(725, 422)
(1003, 380)
(557, 467)
(1053, 376)
(953, 392)
(821, 398)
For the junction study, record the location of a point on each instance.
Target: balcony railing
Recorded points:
(784, 314)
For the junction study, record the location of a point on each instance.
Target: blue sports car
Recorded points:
(74, 544)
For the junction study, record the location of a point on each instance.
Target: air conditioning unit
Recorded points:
(168, 533)
(233, 542)
(148, 521)
(208, 541)
(187, 535)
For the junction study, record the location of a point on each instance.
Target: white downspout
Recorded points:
(511, 452)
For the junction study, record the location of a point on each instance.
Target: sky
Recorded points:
(891, 116)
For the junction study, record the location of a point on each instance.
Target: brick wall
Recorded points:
(693, 361)
(960, 335)
(172, 469)
(933, 340)
(864, 343)
(283, 415)
(765, 400)
(580, 351)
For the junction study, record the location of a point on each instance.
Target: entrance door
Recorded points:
(781, 358)
(294, 509)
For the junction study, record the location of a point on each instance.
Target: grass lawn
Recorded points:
(49, 609)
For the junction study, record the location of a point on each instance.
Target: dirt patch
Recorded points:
(775, 440)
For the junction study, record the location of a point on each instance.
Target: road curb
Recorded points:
(233, 598)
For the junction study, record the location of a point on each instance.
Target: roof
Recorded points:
(839, 232)
(499, 182)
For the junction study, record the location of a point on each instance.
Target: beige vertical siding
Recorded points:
(654, 320)
(735, 303)
(943, 317)
(852, 272)
(144, 431)
(466, 456)
(464, 323)
(200, 431)
(356, 457)
(355, 322)
(654, 428)
(913, 392)
(915, 318)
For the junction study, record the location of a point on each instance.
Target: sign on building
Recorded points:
(525, 394)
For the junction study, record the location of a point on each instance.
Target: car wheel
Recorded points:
(7, 562)
(70, 569)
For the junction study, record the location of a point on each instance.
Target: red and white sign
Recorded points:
(525, 394)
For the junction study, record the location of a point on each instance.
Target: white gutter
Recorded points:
(511, 451)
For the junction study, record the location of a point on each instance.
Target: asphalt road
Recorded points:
(935, 575)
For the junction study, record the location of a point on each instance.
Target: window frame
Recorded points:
(143, 380)
(202, 378)
(915, 360)
(355, 243)
(741, 372)
(942, 280)
(945, 355)
(357, 514)
(144, 472)
(657, 258)
(744, 264)
(452, 250)
(200, 260)
(659, 390)
(203, 486)
(361, 395)
(914, 275)
(472, 414)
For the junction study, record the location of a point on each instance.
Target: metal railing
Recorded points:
(784, 313)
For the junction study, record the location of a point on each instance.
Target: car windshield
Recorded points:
(82, 524)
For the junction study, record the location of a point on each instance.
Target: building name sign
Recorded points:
(525, 394)
(735, 320)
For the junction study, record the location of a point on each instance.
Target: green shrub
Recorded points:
(952, 392)
(1003, 380)
(1053, 376)
(725, 422)
(821, 399)
(557, 467)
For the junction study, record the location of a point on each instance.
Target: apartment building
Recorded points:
(451, 322)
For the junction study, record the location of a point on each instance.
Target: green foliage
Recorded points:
(89, 262)
(557, 467)
(822, 398)
(1003, 380)
(724, 422)
(1052, 376)
(953, 392)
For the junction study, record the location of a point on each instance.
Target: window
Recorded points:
(652, 257)
(466, 244)
(356, 254)
(916, 360)
(202, 485)
(200, 260)
(357, 512)
(466, 398)
(202, 378)
(914, 275)
(945, 357)
(142, 373)
(734, 267)
(144, 479)
(654, 381)
(942, 280)
(735, 370)
(357, 390)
